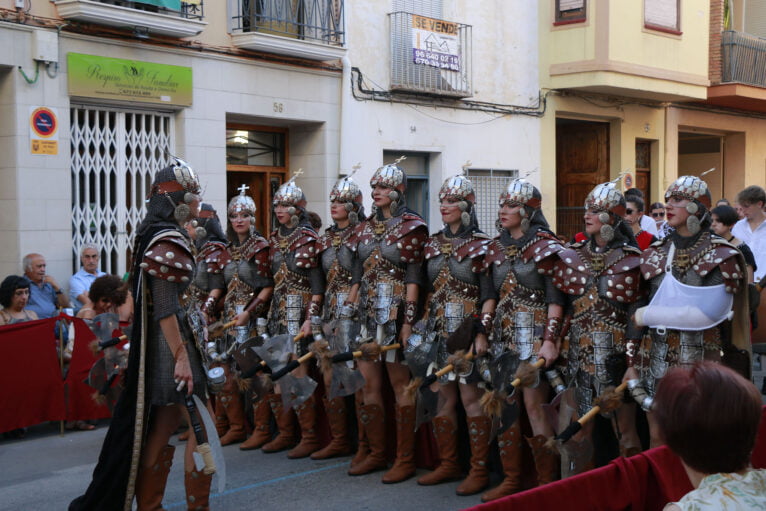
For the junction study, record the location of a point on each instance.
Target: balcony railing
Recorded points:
(441, 65)
(743, 58)
(180, 9)
(319, 21)
(173, 18)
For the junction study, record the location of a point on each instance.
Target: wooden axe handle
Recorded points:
(449, 367)
(597, 409)
(298, 337)
(390, 347)
(537, 365)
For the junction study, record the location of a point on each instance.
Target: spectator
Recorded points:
(740, 213)
(714, 448)
(80, 282)
(14, 297)
(634, 211)
(658, 215)
(45, 295)
(107, 293)
(647, 223)
(752, 228)
(724, 218)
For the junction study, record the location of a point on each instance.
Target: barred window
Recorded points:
(488, 184)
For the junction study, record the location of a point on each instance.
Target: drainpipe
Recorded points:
(345, 117)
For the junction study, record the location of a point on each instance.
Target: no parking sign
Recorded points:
(43, 130)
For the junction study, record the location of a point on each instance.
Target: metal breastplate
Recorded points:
(456, 292)
(292, 291)
(338, 279)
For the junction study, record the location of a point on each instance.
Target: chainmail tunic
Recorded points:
(165, 302)
(338, 264)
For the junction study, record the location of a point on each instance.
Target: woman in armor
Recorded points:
(389, 248)
(528, 323)
(248, 284)
(165, 366)
(459, 290)
(298, 294)
(690, 326)
(337, 262)
(602, 279)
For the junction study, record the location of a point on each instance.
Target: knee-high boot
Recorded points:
(262, 425)
(374, 425)
(404, 464)
(285, 426)
(151, 481)
(235, 412)
(478, 476)
(307, 418)
(547, 460)
(221, 421)
(509, 445)
(445, 433)
(362, 448)
(336, 416)
(197, 486)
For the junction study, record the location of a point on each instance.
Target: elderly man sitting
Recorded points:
(45, 295)
(80, 282)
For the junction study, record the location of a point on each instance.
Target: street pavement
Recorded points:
(46, 471)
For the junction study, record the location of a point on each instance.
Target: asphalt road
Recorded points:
(44, 471)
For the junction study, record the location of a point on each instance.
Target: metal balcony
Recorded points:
(743, 58)
(433, 71)
(143, 18)
(311, 29)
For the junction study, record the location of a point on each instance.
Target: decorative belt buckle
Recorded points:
(682, 261)
(597, 263)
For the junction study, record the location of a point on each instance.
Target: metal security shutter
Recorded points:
(755, 18)
(488, 184)
(114, 155)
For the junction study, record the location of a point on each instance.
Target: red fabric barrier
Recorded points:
(646, 481)
(80, 405)
(31, 387)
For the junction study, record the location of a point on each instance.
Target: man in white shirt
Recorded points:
(752, 228)
(647, 223)
(79, 283)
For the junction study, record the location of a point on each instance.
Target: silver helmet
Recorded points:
(290, 194)
(609, 203)
(241, 203)
(186, 176)
(391, 176)
(691, 188)
(346, 190)
(521, 193)
(457, 187)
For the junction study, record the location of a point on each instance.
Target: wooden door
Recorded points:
(582, 162)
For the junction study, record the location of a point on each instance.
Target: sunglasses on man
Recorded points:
(659, 215)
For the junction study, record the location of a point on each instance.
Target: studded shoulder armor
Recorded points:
(653, 259)
(570, 273)
(727, 258)
(169, 257)
(301, 243)
(475, 249)
(624, 274)
(409, 235)
(543, 251)
(215, 256)
(261, 257)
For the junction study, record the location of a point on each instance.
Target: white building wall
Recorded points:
(504, 71)
(35, 191)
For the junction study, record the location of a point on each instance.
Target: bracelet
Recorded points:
(410, 308)
(552, 330)
(208, 304)
(313, 309)
(485, 322)
(630, 352)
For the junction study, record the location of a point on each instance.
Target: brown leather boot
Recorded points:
(221, 421)
(307, 418)
(547, 460)
(262, 430)
(509, 445)
(445, 433)
(150, 482)
(285, 438)
(404, 464)
(478, 476)
(336, 416)
(197, 486)
(235, 412)
(375, 428)
(362, 448)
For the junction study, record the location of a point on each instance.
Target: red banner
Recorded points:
(80, 404)
(31, 387)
